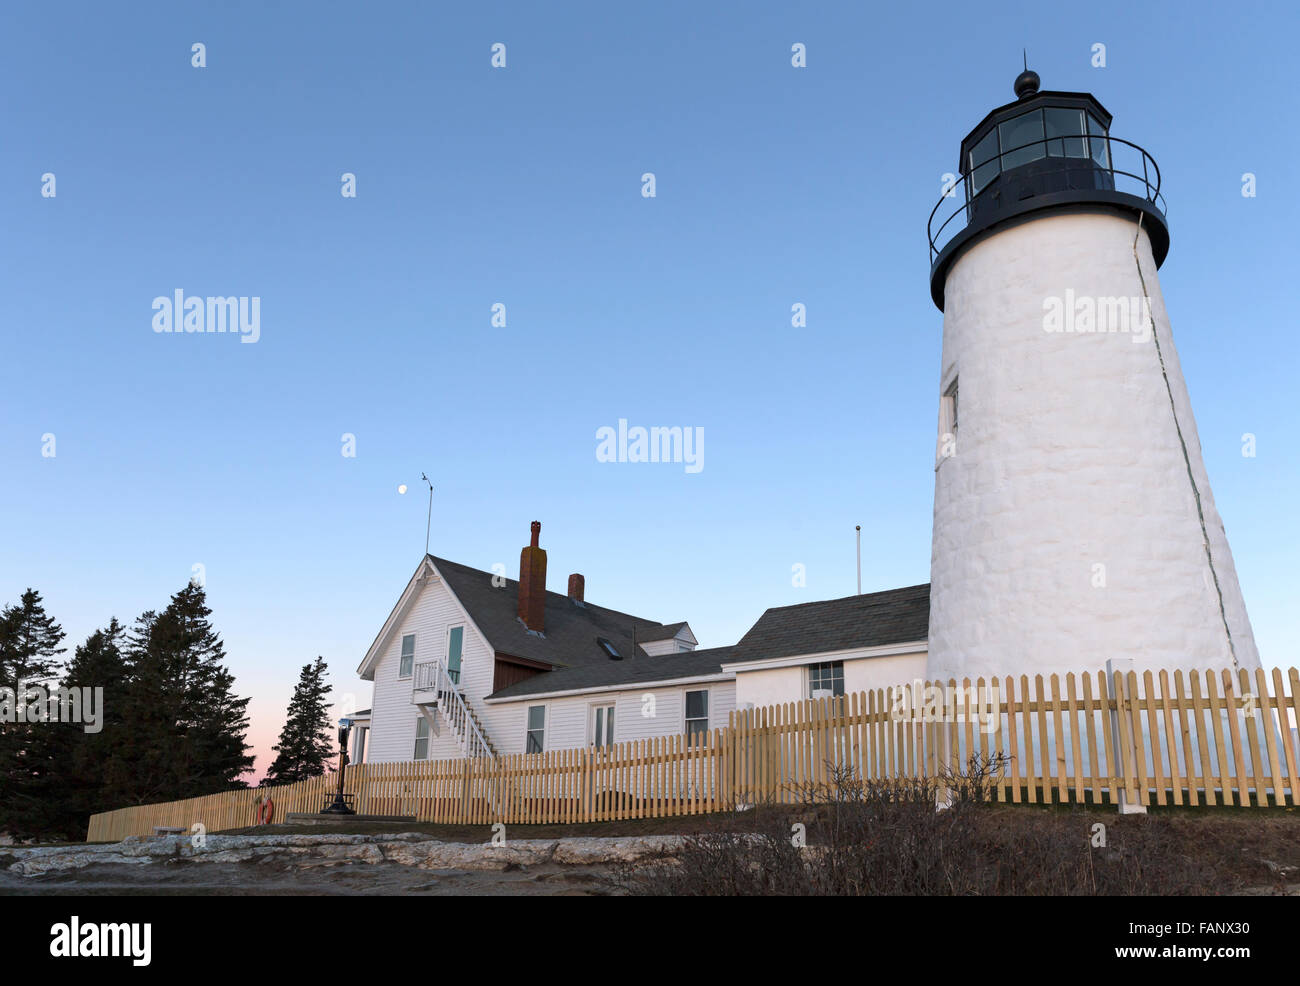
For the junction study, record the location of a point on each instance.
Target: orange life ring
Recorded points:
(265, 812)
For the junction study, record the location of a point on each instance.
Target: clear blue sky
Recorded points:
(522, 186)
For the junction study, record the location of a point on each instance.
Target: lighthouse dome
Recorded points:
(1046, 150)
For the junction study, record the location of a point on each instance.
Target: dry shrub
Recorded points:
(868, 838)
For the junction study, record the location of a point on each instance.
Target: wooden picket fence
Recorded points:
(1204, 738)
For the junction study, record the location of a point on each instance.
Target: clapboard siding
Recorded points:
(568, 719)
(433, 612)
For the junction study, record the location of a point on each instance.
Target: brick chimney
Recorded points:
(532, 583)
(577, 586)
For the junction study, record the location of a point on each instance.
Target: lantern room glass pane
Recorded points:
(1100, 148)
(1063, 123)
(1018, 132)
(984, 162)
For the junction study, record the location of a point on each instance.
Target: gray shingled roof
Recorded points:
(570, 631)
(570, 642)
(871, 620)
(642, 668)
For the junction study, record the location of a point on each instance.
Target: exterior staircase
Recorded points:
(436, 694)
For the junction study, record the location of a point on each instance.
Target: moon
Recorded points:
(402, 488)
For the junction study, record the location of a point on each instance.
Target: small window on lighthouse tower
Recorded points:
(947, 447)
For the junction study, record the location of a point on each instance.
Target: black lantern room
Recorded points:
(1046, 150)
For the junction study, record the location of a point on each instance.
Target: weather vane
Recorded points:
(428, 524)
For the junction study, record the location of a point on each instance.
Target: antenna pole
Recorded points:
(428, 524)
(858, 528)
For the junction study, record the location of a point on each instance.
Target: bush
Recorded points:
(851, 837)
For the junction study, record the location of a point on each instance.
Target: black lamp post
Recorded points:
(340, 806)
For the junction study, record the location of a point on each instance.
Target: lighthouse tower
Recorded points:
(1073, 519)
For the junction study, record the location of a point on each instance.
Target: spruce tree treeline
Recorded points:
(172, 725)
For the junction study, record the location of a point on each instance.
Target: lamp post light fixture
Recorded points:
(339, 805)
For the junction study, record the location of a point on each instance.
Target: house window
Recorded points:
(455, 643)
(536, 729)
(697, 712)
(408, 656)
(603, 725)
(421, 739)
(828, 677)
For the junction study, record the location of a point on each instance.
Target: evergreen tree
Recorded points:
(79, 757)
(306, 743)
(187, 727)
(29, 649)
(136, 769)
(29, 642)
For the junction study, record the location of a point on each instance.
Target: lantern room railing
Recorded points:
(1139, 177)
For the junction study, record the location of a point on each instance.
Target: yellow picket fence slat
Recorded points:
(1200, 738)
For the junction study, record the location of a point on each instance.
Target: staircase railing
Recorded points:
(432, 676)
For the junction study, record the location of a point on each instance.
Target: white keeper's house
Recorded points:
(473, 664)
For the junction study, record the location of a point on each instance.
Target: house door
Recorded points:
(602, 733)
(455, 643)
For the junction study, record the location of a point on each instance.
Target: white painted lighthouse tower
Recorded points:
(1073, 519)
